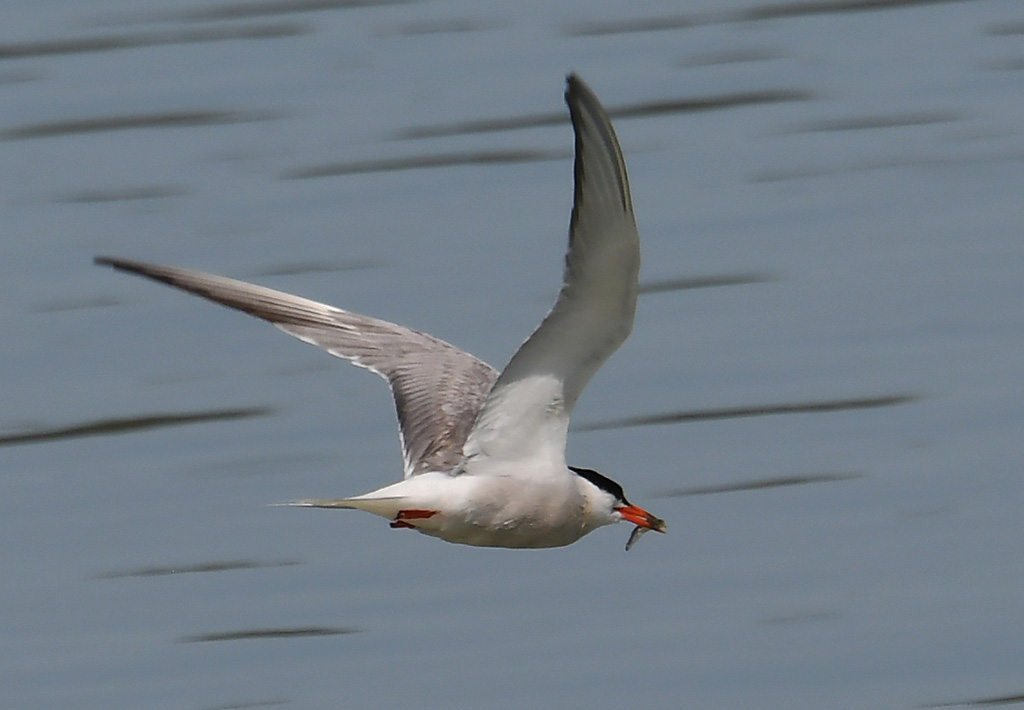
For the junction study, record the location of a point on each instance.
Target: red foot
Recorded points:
(415, 514)
(405, 515)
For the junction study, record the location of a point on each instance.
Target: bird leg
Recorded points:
(401, 520)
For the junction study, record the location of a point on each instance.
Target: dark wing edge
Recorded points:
(593, 128)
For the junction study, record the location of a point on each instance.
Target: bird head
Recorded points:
(611, 505)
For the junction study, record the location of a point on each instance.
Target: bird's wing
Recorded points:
(438, 388)
(526, 415)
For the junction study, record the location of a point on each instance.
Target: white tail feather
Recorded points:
(384, 507)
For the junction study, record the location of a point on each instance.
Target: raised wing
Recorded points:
(438, 389)
(526, 415)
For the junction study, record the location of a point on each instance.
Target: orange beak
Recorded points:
(641, 518)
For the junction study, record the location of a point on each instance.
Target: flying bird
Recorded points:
(484, 452)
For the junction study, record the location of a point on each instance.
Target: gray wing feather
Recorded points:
(528, 410)
(438, 388)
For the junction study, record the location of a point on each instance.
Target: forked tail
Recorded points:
(384, 507)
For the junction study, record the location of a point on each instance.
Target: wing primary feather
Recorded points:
(438, 388)
(527, 412)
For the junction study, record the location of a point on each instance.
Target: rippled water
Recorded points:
(822, 395)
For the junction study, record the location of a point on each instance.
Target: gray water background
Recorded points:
(823, 394)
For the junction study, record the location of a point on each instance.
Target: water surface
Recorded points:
(822, 394)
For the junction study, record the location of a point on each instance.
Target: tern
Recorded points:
(484, 453)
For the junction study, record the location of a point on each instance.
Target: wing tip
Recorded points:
(126, 265)
(575, 87)
(111, 261)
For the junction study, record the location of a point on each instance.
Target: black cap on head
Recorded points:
(602, 482)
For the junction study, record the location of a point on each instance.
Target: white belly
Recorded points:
(493, 511)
